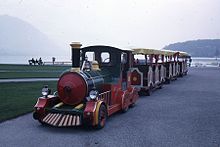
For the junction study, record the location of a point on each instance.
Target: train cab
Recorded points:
(97, 85)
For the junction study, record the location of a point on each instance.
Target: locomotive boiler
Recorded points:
(74, 87)
(87, 94)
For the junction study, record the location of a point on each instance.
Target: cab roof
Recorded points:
(105, 47)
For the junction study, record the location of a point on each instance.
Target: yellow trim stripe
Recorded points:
(79, 106)
(97, 112)
(58, 105)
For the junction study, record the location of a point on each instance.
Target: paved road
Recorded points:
(185, 113)
(27, 80)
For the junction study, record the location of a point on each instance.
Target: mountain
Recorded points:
(198, 48)
(18, 37)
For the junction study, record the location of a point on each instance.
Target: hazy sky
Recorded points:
(139, 23)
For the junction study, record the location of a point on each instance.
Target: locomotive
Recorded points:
(97, 86)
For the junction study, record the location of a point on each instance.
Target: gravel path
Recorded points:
(185, 113)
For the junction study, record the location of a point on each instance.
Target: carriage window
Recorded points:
(123, 58)
(160, 59)
(139, 59)
(90, 56)
(105, 57)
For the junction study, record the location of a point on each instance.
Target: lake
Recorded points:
(196, 61)
(24, 59)
(205, 62)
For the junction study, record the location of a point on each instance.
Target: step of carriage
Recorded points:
(62, 120)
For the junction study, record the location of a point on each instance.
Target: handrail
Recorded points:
(105, 96)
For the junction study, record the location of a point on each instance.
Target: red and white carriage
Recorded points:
(149, 71)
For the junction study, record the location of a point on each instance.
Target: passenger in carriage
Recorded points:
(136, 61)
(95, 65)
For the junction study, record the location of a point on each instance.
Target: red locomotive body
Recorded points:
(97, 85)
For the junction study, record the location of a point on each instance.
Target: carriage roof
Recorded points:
(184, 54)
(147, 51)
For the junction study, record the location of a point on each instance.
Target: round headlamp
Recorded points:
(45, 91)
(93, 94)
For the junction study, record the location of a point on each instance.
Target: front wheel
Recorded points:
(160, 86)
(167, 81)
(102, 117)
(132, 105)
(148, 92)
(124, 110)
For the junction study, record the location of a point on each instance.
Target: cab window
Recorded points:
(90, 56)
(105, 56)
(123, 58)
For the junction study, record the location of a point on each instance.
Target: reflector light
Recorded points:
(136, 78)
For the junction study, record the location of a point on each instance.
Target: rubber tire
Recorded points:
(160, 87)
(180, 75)
(125, 109)
(132, 105)
(167, 81)
(102, 117)
(148, 92)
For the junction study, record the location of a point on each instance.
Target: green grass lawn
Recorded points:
(27, 71)
(19, 98)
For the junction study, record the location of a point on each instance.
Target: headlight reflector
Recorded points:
(93, 94)
(45, 91)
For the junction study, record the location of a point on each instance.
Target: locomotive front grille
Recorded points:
(62, 120)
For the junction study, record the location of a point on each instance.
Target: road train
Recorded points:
(104, 80)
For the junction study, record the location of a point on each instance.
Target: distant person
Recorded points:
(30, 61)
(40, 62)
(190, 61)
(36, 61)
(33, 61)
(53, 60)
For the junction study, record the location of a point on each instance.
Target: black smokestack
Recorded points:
(75, 54)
